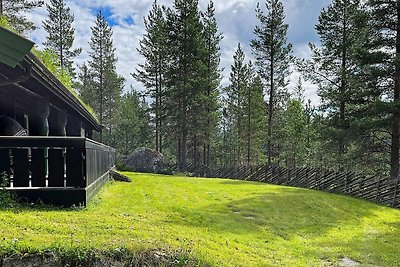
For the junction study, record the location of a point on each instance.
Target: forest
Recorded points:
(184, 111)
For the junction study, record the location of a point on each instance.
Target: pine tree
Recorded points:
(272, 54)
(333, 68)
(107, 84)
(235, 94)
(253, 116)
(13, 10)
(298, 93)
(212, 74)
(85, 86)
(184, 86)
(133, 124)
(151, 73)
(60, 32)
(382, 62)
(295, 133)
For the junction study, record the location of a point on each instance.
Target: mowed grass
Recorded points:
(222, 223)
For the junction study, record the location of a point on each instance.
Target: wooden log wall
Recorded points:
(382, 190)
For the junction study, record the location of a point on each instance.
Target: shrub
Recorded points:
(122, 168)
(166, 171)
(7, 198)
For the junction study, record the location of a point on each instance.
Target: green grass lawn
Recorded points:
(222, 223)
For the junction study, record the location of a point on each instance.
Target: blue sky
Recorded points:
(236, 20)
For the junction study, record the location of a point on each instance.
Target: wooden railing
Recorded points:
(383, 190)
(54, 162)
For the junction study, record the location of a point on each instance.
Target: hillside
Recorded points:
(218, 222)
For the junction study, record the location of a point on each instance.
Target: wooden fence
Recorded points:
(381, 190)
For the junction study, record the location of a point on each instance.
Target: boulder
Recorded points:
(145, 160)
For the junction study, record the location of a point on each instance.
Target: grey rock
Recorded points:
(145, 160)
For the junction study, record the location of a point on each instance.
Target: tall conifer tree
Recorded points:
(212, 75)
(253, 116)
(151, 72)
(60, 32)
(13, 10)
(184, 86)
(234, 112)
(272, 52)
(133, 123)
(334, 69)
(107, 84)
(383, 58)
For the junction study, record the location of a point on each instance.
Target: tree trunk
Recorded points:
(1, 7)
(184, 142)
(101, 92)
(195, 162)
(157, 114)
(394, 162)
(159, 123)
(342, 94)
(249, 127)
(271, 109)
(61, 41)
(207, 134)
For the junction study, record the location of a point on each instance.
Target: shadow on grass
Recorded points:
(240, 182)
(315, 223)
(21, 206)
(284, 212)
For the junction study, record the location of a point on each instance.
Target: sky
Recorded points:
(236, 20)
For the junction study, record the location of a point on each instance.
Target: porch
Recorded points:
(58, 170)
(46, 132)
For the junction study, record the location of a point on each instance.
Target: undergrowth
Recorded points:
(78, 256)
(7, 198)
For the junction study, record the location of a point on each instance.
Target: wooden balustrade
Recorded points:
(45, 163)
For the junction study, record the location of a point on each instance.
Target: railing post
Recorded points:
(58, 122)
(40, 127)
(19, 167)
(75, 160)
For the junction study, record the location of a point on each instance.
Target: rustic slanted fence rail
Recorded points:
(381, 190)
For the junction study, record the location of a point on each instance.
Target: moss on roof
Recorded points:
(48, 58)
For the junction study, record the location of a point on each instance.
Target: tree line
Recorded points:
(185, 113)
(124, 115)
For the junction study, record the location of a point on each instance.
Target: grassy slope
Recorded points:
(224, 222)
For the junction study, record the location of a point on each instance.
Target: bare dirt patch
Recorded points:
(347, 262)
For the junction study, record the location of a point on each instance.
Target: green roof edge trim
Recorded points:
(12, 55)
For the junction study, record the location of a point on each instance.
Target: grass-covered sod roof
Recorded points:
(222, 223)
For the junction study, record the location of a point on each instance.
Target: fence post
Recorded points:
(307, 178)
(361, 184)
(395, 192)
(378, 189)
(346, 181)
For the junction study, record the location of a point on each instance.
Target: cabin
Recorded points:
(47, 151)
